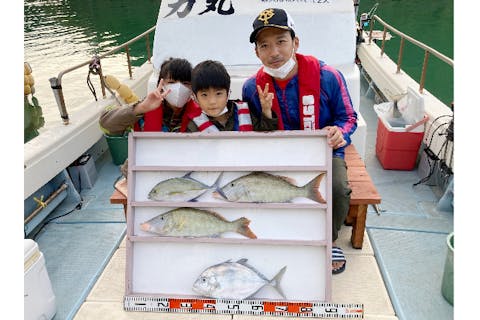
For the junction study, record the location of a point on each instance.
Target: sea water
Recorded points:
(430, 22)
(60, 34)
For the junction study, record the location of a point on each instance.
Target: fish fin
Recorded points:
(218, 194)
(284, 178)
(188, 175)
(312, 187)
(275, 282)
(216, 185)
(244, 262)
(243, 228)
(288, 179)
(217, 215)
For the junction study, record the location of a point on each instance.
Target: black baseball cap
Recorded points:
(272, 17)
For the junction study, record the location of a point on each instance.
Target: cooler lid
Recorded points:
(31, 253)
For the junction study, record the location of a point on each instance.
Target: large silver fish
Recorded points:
(265, 187)
(191, 222)
(234, 280)
(179, 189)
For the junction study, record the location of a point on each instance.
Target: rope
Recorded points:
(93, 68)
(40, 201)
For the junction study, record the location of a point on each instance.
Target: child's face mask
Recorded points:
(225, 110)
(179, 94)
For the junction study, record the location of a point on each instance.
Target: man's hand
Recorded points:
(153, 100)
(266, 99)
(335, 137)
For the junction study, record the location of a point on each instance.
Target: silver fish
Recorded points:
(179, 189)
(191, 222)
(265, 187)
(234, 280)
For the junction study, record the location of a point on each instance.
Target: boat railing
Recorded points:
(428, 50)
(56, 82)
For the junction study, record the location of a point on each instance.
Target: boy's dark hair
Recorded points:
(210, 74)
(177, 69)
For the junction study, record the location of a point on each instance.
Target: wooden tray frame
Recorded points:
(134, 240)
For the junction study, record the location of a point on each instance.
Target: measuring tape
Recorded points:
(245, 307)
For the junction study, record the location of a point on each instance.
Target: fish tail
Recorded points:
(275, 282)
(218, 193)
(312, 187)
(244, 229)
(215, 185)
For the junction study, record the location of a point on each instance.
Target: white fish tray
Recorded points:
(296, 234)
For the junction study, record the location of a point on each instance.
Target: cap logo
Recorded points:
(266, 15)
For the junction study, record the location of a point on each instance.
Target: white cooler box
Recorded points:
(39, 299)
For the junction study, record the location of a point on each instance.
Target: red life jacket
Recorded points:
(153, 120)
(309, 92)
(243, 121)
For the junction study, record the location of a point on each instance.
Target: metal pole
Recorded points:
(149, 55)
(56, 86)
(424, 71)
(50, 199)
(400, 54)
(128, 62)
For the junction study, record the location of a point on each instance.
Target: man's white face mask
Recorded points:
(282, 71)
(179, 94)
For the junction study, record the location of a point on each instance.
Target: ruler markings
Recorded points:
(249, 307)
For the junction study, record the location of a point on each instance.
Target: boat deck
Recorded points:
(397, 274)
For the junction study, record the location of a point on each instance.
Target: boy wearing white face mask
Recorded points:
(305, 94)
(211, 87)
(163, 109)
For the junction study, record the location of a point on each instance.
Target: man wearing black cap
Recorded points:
(302, 93)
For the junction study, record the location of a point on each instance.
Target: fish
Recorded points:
(180, 189)
(262, 187)
(234, 280)
(192, 222)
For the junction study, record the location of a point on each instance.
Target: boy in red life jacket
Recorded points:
(211, 87)
(303, 93)
(163, 109)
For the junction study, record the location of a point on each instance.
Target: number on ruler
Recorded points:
(257, 307)
(331, 310)
(233, 306)
(305, 309)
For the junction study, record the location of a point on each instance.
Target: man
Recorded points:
(303, 93)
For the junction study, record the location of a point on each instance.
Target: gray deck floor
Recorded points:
(397, 275)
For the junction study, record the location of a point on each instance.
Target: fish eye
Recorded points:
(232, 185)
(204, 279)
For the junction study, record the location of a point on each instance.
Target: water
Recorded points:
(61, 34)
(430, 22)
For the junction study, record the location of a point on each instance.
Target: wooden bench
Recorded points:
(363, 194)
(119, 198)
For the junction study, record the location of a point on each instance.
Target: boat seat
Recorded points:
(363, 193)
